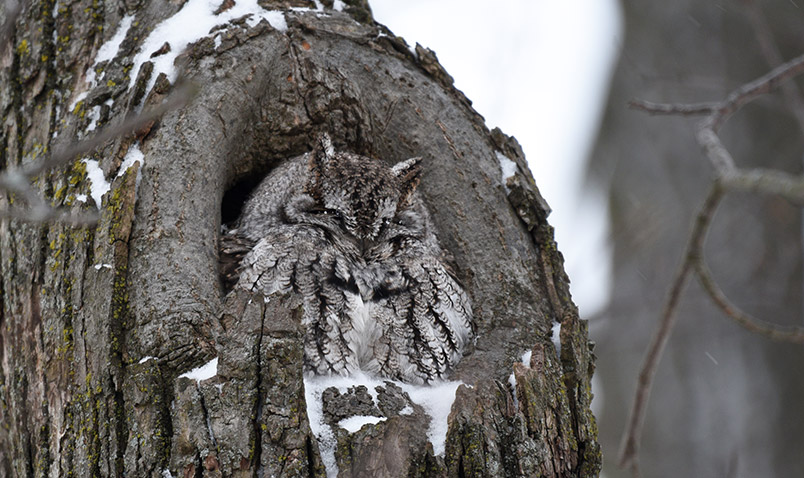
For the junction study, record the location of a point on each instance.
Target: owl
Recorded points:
(351, 236)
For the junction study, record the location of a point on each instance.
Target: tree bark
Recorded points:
(98, 323)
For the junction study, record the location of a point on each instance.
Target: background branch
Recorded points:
(629, 452)
(20, 179)
(728, 178)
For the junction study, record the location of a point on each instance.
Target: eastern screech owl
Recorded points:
(351, 236)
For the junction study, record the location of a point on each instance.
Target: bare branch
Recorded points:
(764, 84)
(713, 148)
(765, 181)
(177, 99)
(50, 214)
(776, 332)
(728, 179)
(19, 179)
(770, 50)
(720, 111)
(629, 451)
(692, 109)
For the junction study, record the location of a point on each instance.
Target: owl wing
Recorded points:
(427, 325)
(301, 260)
(233, 248)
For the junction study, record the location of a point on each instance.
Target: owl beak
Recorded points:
(366, 293)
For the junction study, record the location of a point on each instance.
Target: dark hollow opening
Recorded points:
(236, 196)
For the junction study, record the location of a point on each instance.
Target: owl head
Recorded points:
(360, 195)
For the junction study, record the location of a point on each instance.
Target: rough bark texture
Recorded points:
(98, 323)
(725, 402)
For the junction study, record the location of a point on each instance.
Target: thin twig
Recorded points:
(721, 110)
(50, 214)
(770, 50)
(177, 99)
(18, 179)
(776, 332)
(629, 450)
(764, 84)
(693, 109)
(714, 149)
(765, 181)
(728, 178)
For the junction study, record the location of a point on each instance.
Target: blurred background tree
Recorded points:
(726, 402)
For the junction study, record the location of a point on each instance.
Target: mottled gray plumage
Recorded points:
(352, 237)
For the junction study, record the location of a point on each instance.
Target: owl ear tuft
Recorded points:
(407, 173)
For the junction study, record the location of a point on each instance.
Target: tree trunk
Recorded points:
(99, 323)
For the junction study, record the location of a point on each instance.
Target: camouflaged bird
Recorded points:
(351, 236)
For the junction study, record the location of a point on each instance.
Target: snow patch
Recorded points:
(353, 424)
(134, 155)
(274, 18)
(102, 266)
(512, 383)
(81, 96)
(338, 5)
(94, 116)
(107, 51)
(204, 372)
(508, 168)
(556, 337)
(98, 185)
(193, 22)
(145, 359)
(525, 360)
(436, 400)
(313, 388)
(81, 197)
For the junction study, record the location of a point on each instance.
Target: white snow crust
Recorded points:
(436, 400)
(98, 185)
(193, 22)
(133, 155)
(525, 360)
(107, 51)
(508, 168)
(353, 424)
(204, 372)
(557, 337)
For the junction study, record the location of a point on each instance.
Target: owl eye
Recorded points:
(322, 211)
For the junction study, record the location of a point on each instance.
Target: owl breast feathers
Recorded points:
(351, 236)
